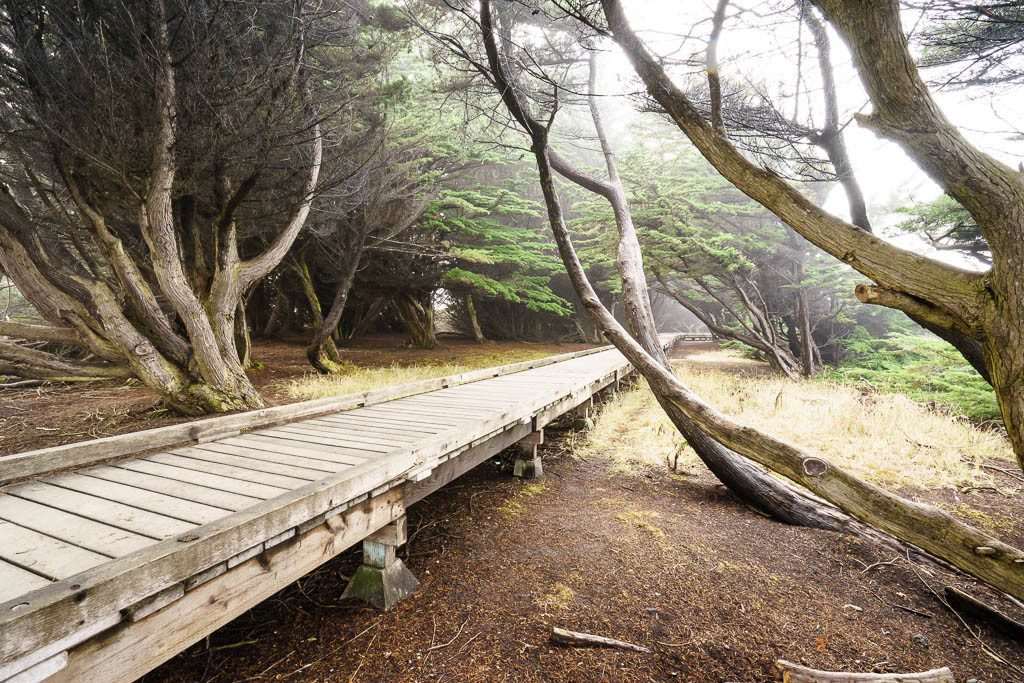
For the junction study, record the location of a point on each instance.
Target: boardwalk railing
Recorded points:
(118, 553)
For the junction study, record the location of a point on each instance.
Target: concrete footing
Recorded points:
(528, 464)
(383, 579)
(583, 415)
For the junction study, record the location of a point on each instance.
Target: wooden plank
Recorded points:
(270, 465)
(44, 555)
(56, 647)
(308, 464)
(364, 430)
(41, 671)
(85, 533)
(256, 443)
(453, 399)
(333, 430)
(125, 654)
(379, 424)
(241, 474)
(460, 404)
(105, 511)
(14, 580)
(213, 481)
(409, 408)
(205, 495)
(437, 425)
(287, 446)
(400, 417)
(188, 511)
(52, 459)
(304, 437)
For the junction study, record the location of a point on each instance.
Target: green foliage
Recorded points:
(926, 369)
(947, 225)
(499, 246)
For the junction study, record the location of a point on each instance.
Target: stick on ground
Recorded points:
(575, 639)
(794, 673)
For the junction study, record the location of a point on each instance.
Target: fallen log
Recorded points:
(794, 673)
(967, 604)
(575, 639)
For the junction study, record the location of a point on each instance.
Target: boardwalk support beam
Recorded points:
(528, 464)
(383, 579)
(583, 419)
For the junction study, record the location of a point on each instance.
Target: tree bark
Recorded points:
(322, 353)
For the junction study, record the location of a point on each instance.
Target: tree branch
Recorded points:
(947, 286)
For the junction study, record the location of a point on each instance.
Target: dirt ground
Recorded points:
(674, 563)
(51, 415)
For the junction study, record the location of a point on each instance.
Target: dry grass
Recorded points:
(883, 437)
(357, 378)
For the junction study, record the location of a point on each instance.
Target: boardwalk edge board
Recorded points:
(43, 624)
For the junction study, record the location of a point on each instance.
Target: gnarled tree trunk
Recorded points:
(416, 311)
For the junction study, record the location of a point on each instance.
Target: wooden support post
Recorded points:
(583, 420)
(383, 579)
(528, 464)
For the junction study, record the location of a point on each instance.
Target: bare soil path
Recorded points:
(673, 563)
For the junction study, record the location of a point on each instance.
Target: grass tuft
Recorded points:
(355, 378)
(881, 436)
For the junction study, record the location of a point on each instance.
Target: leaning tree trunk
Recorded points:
(372, 311)
(747, 482)
(474, 322)
(322, 352)
(984, 308)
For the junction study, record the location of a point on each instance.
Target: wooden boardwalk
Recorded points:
(118, 553)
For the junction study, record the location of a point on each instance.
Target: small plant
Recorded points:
(925, 369)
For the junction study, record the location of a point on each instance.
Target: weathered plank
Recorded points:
(44, 555)
(204, 495)
(53, 459)
(269, 444)
(72, 529)
(344, 436)
(341, 439)
(245, 474)
(309, 465)
(284, 442)
(15, 581)
(189, 476)
(187, 511)
(106, 511)
(127, 653)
